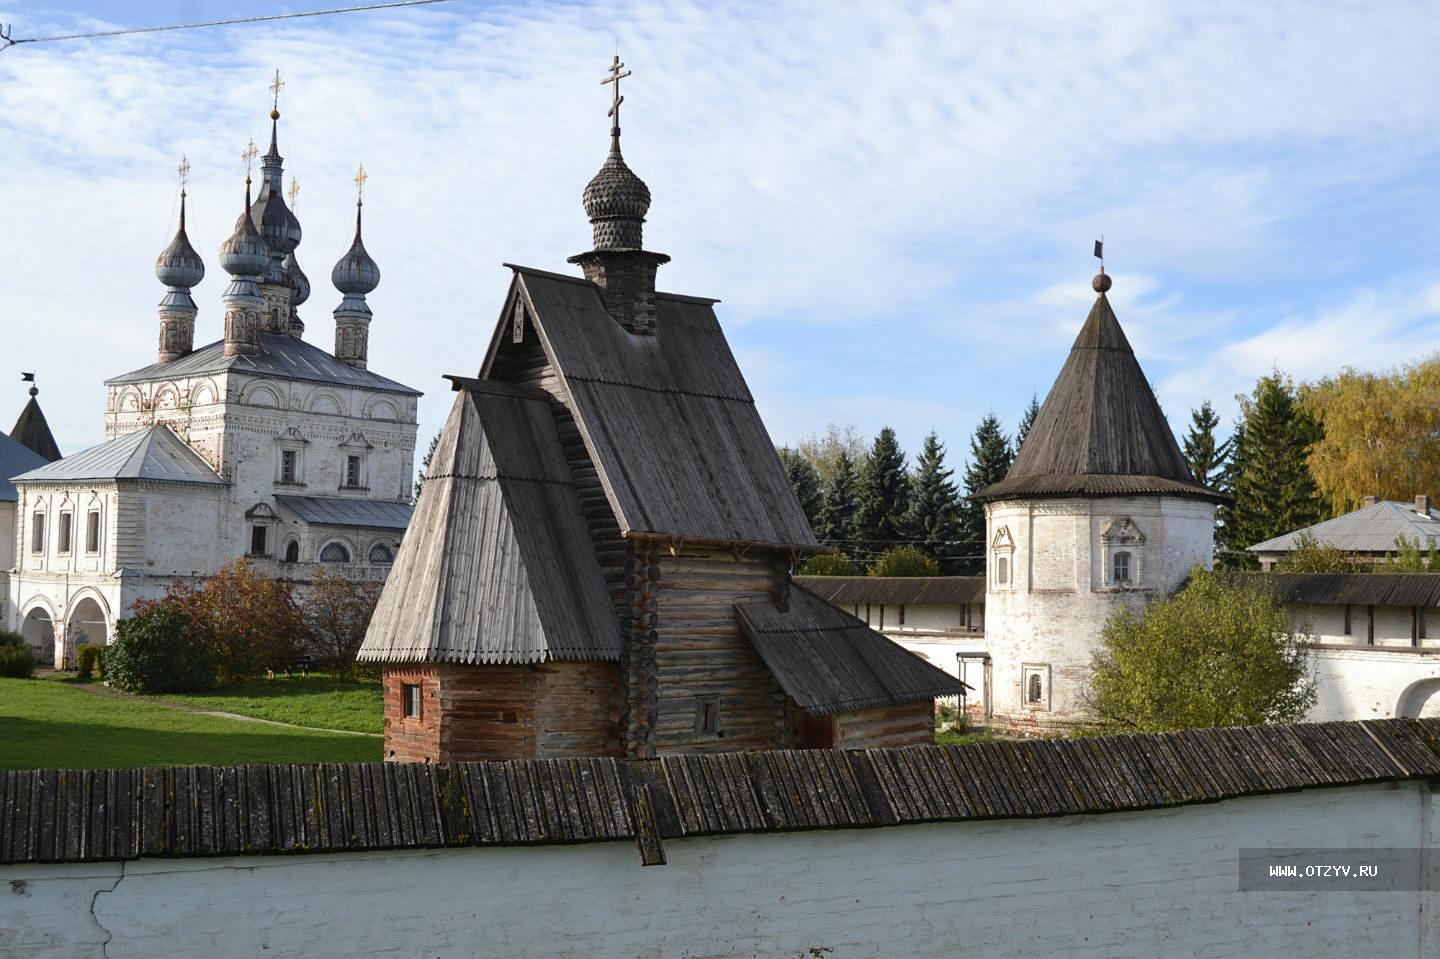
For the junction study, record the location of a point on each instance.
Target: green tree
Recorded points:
(933, 522)
(836, 525)
(903, 561)
(159, 650)
(425, 463)
(1221, 652)
(884, 495)
(1312, 556)
(805, 481)
(1411, 556)
(1027, 420)
(990, 459)
(338, 610)
(827, 564)
(1206, 458)
(1269, 475)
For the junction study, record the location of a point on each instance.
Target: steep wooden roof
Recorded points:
(32, 430)
(497, 566)
(1101, 431)
(667, 418)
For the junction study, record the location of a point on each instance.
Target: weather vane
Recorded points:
(294, 191)
(275, 88)
(1100, 252)
(616, 75)
(249, 157)
(360, 177)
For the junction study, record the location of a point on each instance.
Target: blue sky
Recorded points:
(895, 202)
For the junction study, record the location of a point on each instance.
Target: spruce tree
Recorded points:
(836, 525)
(934, 519)
(884, 495)
(990, 458)
(1027, 420)
(805, 481)
(1207, 460)
(1269, 475)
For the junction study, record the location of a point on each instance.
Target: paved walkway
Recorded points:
(97, 689)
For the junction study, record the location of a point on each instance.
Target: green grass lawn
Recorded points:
(318, 701)
(51, 724)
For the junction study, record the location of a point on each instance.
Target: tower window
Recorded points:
(37, 532)
(1034, 690)
(1002, 570)
(1035, 685)
(92, 531)
(352, 471)
(258, 541)
(66, 521)
(1120, 568)
(289, 466)
(410, 700)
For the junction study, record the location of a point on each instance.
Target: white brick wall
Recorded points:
(1145, 884)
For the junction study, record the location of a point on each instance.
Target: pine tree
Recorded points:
(1027, 420)
(1269, 475)
(836, 525)
(934, 518)
(804, 480)
(425, 463)
(990, 458)
(1207, 460)
(884, 495)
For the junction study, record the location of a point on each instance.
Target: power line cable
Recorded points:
(6, 41)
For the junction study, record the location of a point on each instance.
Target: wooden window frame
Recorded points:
(412, 701)
(707, 717)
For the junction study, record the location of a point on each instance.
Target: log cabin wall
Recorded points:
(412, 740)
(909, 724)
(542, 711)
(699, 651)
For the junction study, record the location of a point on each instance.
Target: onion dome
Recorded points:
(179, 265)
(299, 282)
(616, 201)
(277, 225)
(356, 273)
(245, 253)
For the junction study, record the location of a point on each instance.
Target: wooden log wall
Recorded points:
(699, 650)
(909, 724)
(546, 711)
(412, 740)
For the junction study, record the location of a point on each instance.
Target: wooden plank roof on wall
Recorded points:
(497, 566)
(667, 419)
(1359, 589)
(897, 590)
(81, 815)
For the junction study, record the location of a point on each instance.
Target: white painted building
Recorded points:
(258, 445)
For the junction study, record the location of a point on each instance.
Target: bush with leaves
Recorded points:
(1411, 556)
(337, 611)
(828, 564)
(1221, 652)
(16, 659)
(904, 561)
(89, 660)
(1312, 556)
(159, 650)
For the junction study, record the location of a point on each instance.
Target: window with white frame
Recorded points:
(1122, 547)
(352, 471)
(1120, 568)
(37, 531)
(289, 466)
(290, 457)
(67, 522)
(1002, 559)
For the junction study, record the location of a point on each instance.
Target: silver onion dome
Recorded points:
(299, 282)
(245, 252)
(178, 264)
(356, 272)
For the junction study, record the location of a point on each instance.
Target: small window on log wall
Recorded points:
(410, 700)
(707, 717)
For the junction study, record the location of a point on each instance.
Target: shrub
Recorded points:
(89, 660)
(338, 612)
(904, 561)
(828, 564)
(156, 651)
(16, 660)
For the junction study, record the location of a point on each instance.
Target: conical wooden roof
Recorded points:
(32, 430)
(1101, 431)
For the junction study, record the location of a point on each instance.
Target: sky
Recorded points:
(896, 203)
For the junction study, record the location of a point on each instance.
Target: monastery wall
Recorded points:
(1375, 683)
(1147, 884)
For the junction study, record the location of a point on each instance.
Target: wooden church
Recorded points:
(599, 561)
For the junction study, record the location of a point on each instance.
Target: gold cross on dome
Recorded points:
(275, 88)
(616, 75)
(249, 156)
(294, 191)
(360, 177)
(184, 172)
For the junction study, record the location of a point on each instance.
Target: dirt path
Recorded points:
(95, 689)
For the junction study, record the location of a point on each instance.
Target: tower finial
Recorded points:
(30, 378)
(293, 192)
(248, 156)
(360, 177)
(184, 171)
(1102, 282)
(616, 75)
(275, 87)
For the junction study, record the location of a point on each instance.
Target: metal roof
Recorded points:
(281, 356)
(154, 454)
(32, 429)
(15, 458)
(830, 662)
(256, 810)
(1101, 431)
(344, 511)
(1370, 529)
(498, 566)
(899, 590)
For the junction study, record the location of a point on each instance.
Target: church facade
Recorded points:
(259, 445)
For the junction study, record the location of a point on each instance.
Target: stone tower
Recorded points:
(179, 267)
(1099, 510)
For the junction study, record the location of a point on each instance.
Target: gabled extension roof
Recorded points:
(667, 419)
(830, 662)
(497, 566)
(15, 458)
(33, 431)
(153, 454)
(1101, 431)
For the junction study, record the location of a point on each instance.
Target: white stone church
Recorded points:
(259, 445)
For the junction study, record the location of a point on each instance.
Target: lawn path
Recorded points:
(99, 690)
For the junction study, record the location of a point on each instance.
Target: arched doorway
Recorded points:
(85, 625)
(38, 631)
(1419, 700)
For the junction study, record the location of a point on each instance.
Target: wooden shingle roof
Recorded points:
(896, 590)
(33, 431)
(497, 565)
(1101, 431)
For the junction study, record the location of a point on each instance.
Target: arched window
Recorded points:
(380, 555)
(1002, 570)
(1120, 568)
(292, 552)
(335, 553)
(1034, 692)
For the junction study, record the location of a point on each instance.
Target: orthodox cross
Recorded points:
(275, 88)
(184, 173)
(249, 157)
(294, 191)
(360, 177)
(615, 77)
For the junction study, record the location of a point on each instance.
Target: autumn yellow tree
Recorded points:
(1381, 433)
